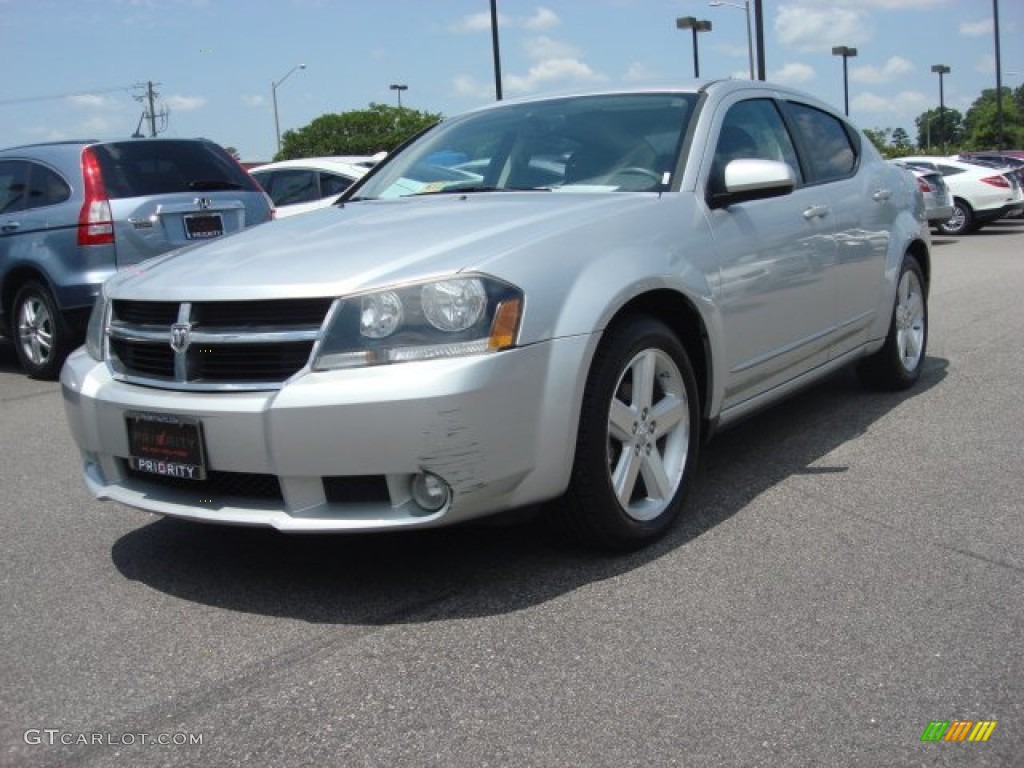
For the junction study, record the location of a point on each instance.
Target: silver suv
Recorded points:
(555, 298)
(72, 213)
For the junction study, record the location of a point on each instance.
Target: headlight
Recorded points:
(95, 331)
(444, 318)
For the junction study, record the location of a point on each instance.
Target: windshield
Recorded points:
(608, 143)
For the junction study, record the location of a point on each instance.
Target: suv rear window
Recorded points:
(142, 168)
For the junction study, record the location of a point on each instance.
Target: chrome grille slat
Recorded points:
(243, 345)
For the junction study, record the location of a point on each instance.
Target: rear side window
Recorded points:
(13, 186)
(143, 168)
(290, 186)
(831, 152)
(332, 184)
(45, 187)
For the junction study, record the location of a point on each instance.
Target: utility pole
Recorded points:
(152, 111)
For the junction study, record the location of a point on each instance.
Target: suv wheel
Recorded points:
(638, 438)
(42, 339)
(961, 222)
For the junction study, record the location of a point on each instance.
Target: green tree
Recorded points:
(362, 132)
(981, 122)
(901, 142)
(940, 131)
(879, 137)
(233, 152)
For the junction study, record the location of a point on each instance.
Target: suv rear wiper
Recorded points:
(212, 185)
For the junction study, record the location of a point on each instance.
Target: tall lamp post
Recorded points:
(399, 88)
(696, 25)
(273, 92)
(750, 37)
(846, 52)
(942, 70)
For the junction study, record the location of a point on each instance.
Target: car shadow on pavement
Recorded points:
(486, 569)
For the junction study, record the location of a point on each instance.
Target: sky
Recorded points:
(78, 68)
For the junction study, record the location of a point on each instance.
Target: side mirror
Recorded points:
(751, 179)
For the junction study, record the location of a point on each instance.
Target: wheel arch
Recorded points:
(678, 312)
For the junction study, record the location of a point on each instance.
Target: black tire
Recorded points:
(41, 336)
(897, 365)
(619, 434)
(961, 222)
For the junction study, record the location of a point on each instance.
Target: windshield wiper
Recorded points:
(479, 188)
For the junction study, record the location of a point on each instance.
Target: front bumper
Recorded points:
(337, 451)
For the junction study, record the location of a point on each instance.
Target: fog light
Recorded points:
(430, 491)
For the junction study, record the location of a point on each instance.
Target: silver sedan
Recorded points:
(550, 299)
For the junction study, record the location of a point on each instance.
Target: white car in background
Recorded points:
(980, 194)
(298, 186)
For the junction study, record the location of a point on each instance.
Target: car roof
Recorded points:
(341, 163)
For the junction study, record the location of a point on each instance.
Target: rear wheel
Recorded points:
(638, 438)
(897, 365)
(961, 222)
(42, 338)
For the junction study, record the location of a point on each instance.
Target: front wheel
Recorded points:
(638, 438)
(897, 365)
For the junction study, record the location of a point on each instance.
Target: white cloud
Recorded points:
(638, 72)
(185, 103)
(540, 48)
(544, 18)
(470, 86)
(814, 27)
(255, 100)
(894, 67)
(907, 102)
(793, 73)
(545, 73)
(977, 28)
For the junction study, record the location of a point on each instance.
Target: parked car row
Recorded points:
(982, 192)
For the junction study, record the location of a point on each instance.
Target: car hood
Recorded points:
(342, 250)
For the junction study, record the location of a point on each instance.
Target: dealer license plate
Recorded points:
(164, 444)
(202, 226)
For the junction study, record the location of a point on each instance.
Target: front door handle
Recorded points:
(10, 226)
(816, 212)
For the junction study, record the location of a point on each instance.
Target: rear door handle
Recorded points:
(816, 212)
(881, 195)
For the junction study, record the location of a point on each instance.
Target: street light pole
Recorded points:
(846, 52)
(750, 35)
(273, 93)
(399, 88)
(941, 70)
(999, 78)
(695, 25)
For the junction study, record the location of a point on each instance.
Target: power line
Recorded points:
(6, 102)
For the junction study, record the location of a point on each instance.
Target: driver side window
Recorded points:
(752, 129)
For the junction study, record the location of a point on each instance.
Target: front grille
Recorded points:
(224, 344)
(217, 485)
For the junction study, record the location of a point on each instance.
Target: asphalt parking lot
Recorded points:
(851, 570)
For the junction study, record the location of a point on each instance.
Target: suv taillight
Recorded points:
(997, 181)
(95, 220)
(923, 185)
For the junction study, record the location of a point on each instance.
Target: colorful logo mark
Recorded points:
(958, 730)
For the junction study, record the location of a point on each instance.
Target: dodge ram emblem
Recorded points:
(179, 336)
